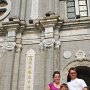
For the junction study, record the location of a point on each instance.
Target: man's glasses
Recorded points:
(73, 73)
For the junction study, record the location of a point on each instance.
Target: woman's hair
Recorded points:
(64, 85)
(56, 72)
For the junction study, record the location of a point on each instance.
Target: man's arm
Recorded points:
(85, 88)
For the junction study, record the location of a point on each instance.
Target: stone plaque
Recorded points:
(29, 70)
(67, 54)
(48, 32)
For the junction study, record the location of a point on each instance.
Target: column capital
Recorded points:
(12, 24)
(51, 21)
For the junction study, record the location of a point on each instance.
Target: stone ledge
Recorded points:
(76, 24)
(75, 38)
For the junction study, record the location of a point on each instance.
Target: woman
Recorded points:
(55, 85)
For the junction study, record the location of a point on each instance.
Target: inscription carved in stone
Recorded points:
(29, 70)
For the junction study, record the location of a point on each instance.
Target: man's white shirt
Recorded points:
(76, 84)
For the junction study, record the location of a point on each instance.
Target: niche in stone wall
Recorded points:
(29, 70)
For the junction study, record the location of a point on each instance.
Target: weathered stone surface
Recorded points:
(51, 42)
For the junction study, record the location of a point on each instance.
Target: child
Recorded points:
(64, 86)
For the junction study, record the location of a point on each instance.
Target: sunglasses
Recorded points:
(73, 73)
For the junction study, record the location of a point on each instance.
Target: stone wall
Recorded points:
(29, 53)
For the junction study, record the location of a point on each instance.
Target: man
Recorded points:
(75, 83)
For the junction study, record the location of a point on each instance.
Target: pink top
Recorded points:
(52, 87)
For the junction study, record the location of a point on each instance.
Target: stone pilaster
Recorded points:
(11, 28)
(63, 11)
(57, 55)
(88, 4)
(23, 9)
(48, 44)
(15, 79)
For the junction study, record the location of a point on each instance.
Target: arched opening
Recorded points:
(83, 72)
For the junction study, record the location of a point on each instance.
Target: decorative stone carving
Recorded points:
(67, 54)
(41, 46)
(9, 46)
(6, 7)
(80, 55)
(29, 70)
(47, 43)
(18, 47)
(57, 44)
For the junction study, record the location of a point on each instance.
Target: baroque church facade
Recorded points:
(38, 37)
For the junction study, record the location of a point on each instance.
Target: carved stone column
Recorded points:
(18, 49)
(57, 55)
(11, 28)
(48, 42)
(88, 4)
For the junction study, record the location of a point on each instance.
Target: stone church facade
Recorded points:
(38, 37)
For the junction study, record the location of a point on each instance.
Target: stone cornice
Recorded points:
(49, 20)
(42, 23)
(30, 27)
(76, 24)
(15, 24)
(74, 38)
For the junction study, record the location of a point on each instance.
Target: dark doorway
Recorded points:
(83, 73)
